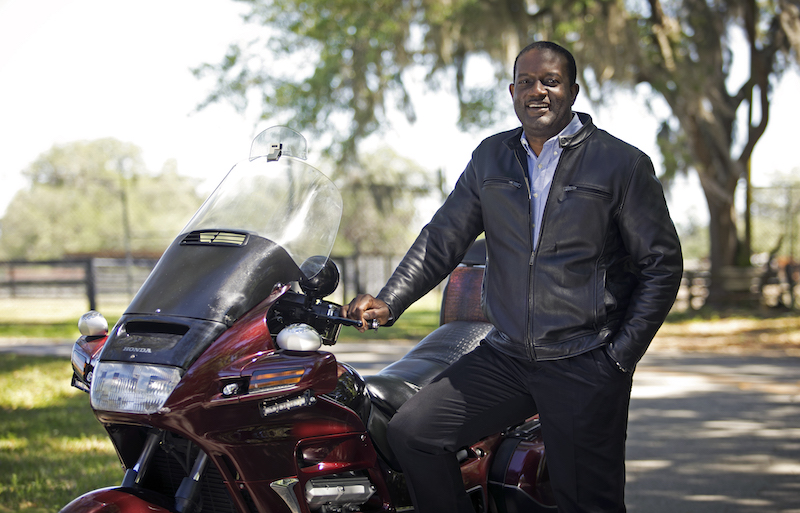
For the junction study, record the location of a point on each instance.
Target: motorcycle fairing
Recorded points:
(213, 285)
(111, 500)
(214, 281)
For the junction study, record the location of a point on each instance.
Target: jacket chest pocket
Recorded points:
(590, 191)
(502, 183)
(505, 205)
(579, 220)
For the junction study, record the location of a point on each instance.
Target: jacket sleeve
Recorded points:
(439, 247)
(650, 237)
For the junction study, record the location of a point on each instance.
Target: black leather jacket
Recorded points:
(608, 263)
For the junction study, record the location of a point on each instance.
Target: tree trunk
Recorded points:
(709, 132)
(724, 244)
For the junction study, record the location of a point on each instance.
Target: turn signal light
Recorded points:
(277, 379)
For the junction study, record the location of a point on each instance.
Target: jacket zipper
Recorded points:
(532, 262)
(528, 316)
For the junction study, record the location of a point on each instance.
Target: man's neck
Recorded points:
(537, 143)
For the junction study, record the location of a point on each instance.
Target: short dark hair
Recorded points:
(572, 68)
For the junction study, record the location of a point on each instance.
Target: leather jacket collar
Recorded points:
(565, 141)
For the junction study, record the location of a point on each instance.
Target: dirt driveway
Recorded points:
(715, 419)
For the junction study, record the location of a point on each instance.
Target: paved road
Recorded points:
(708, 433)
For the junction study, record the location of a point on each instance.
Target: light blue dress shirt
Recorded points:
(541, 170)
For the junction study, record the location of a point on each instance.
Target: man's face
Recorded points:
(542, 94)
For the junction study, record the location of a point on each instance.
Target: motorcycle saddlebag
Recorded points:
(518, 480)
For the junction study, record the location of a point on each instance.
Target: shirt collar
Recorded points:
(572, 128)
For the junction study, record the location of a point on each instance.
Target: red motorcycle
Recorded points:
(215, 391)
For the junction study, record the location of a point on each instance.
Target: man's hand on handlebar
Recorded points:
(367, 309)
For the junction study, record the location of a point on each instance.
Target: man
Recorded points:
(583, 266)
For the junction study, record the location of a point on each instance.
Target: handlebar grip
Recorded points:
(374, 324)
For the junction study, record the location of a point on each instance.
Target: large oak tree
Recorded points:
(337, 66)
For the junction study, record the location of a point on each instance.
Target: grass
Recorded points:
(66, 330)
(413, 325)
(52, 449)
(48, 317)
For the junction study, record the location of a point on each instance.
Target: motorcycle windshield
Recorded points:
(256, 230)
(285, 201)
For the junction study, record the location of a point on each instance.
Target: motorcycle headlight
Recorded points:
(132, 387)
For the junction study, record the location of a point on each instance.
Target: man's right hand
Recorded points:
(365, 308)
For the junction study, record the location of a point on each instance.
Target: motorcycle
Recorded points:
(215, 390)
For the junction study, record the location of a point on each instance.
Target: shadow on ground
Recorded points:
(714, 433)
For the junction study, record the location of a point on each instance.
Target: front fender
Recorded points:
(115, 500)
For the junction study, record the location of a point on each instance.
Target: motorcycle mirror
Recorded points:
(286, 141)
(324, 276)
(299, 337)
(93, 324)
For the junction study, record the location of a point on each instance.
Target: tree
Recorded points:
(351, 57)
(381, 207)
(78, 196)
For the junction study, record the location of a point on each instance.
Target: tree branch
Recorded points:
(662, 26)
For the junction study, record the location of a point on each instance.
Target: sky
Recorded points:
(75, 70)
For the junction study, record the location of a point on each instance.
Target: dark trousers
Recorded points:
(583, 407)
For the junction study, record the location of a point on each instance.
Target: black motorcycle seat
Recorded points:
(398, 382)
(426, 360)
(437, 351)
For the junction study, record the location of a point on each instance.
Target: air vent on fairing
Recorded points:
(215, 238)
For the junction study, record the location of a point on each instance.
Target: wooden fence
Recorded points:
(98, 279)
(118, 279)
(90, 278)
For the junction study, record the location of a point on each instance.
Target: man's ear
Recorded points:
(511, 89)
(574, 89)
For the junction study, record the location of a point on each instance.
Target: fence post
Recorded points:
(12, 277)
(91, 291)
(344, 277)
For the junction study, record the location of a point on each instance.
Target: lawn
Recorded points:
(52, 448)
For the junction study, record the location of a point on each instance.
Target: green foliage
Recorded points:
(75, 201)
(52, 449)
(341, 62)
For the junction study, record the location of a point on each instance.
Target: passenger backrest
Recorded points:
(461, 300)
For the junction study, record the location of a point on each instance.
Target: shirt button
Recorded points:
(535, 194)
(540, 166)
